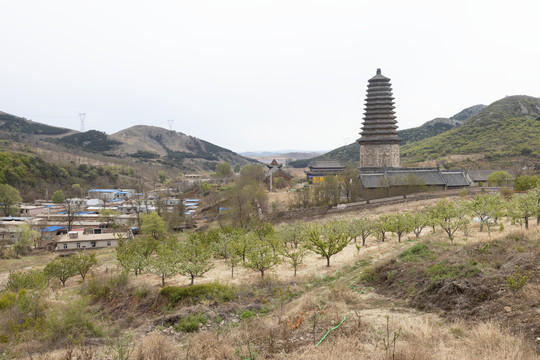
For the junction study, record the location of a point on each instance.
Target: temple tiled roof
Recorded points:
(385, 177)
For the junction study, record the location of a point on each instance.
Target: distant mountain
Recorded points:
(508, 128)
(141, 143)
(172, 148)
(22, 126)
(349, 154)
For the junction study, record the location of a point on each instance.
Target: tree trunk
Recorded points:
(328, 261)
(192, 279)
(295, 271)
(162, 280)
(527, 223)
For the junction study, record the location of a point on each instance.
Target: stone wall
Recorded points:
(379, 155)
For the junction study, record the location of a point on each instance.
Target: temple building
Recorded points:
(379, 141)
(380, 172)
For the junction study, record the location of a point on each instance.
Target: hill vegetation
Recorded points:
(148, 144)
(33, 176)
(19, 125)
(91, 140)
(500, 133)
(508, 128)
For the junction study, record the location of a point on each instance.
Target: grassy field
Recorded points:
(418, 299)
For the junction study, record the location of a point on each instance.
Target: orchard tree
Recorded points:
(380, 227)
(260, 256)
(265, 232)
(25, 237)
(522, 207)
(194, 257)
(135, 254)
(399, 224)
(419, 220)
(362, 227)
(293, 234)
(326, 242)
(61, 268)
(227, 247)
(83, 263)
(166, 262)
(487, 208)
(451, 216)
(294, 255)
(9, 198)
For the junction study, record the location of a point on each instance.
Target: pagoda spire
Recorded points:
(379, 141)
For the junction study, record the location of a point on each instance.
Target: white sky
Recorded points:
(260, 75)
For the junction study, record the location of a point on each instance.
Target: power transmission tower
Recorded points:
(82, 116)
(170, 121)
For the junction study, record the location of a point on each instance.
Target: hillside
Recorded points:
(172, 148)
(507, 129)
(148, 144)
(427, 132)
(22, 126)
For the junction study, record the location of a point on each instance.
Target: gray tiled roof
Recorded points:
(455, 178)
(326, 164)
(413, 176)
(482, 175)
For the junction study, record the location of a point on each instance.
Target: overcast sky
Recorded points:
(260, 75)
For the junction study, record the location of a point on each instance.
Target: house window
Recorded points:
(78, 245)
(108, 243)
(65, 246)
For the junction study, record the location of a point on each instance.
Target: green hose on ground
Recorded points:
(335, 327)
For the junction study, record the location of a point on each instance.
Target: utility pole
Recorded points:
(170, 121)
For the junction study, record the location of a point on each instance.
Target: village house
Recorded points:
(79, 239)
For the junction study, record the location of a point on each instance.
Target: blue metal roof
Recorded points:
(53, 228)
(104, 190)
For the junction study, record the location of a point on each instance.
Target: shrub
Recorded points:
(517, 280)
(417, 252)
(75, 320)
(200, 292)
(31, 280)
(106, 287)
(247, 314)
(7, 299)
(190, 323)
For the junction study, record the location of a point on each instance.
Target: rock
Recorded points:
(507, 309)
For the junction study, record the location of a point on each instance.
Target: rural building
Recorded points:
(480, 177)
(274, 172)
(318, 170)
(384, 182)
(50, 235)
(90, 239)
(111, 194)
